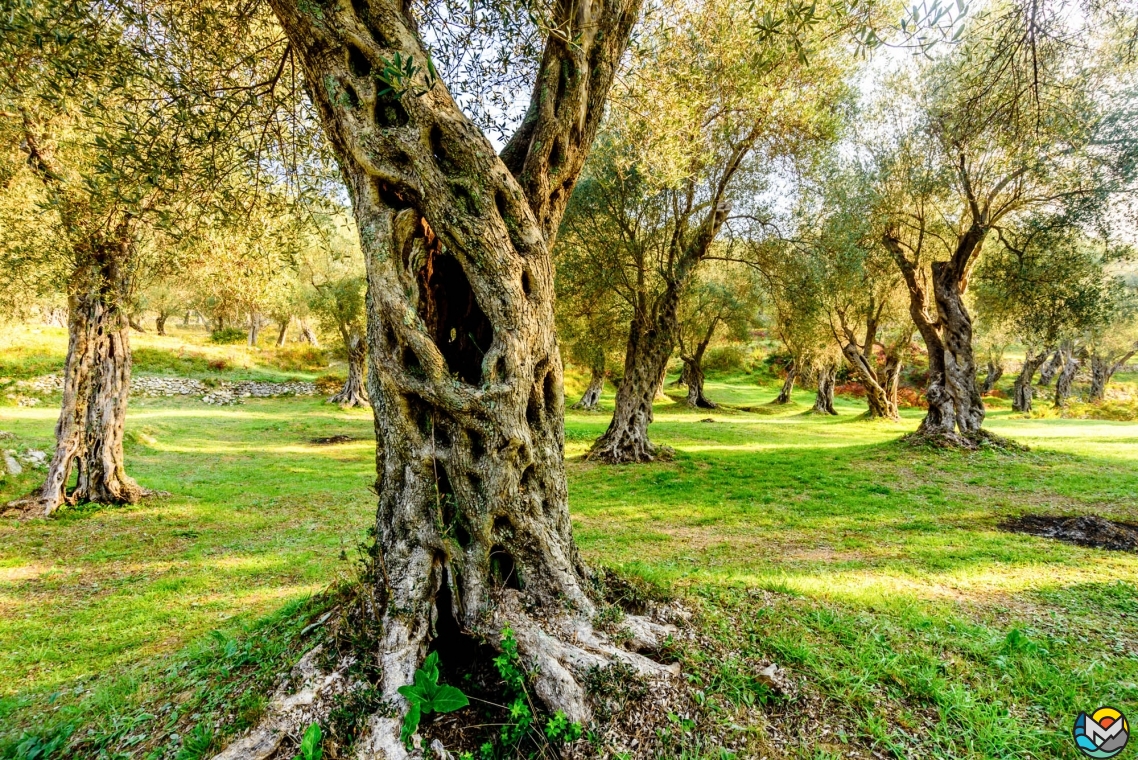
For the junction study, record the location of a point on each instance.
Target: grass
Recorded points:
(874, 573)
(27, 352)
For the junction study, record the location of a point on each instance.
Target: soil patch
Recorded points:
(334, 439)
(1084, 530)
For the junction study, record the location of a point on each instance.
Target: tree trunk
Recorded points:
(133, 323)
(1069, 362)
(254, 328)
(308, 335)
(464, 372)
(995, 372)
(824, 396)
(1022, 390)
(96, 384)
(282, 334)
(353, 394)
(1102, 370)
(693, 366)
(784, 395)
(881, 405)
(1050, 368)
(160, 323)
(650, 343)
(592, 395)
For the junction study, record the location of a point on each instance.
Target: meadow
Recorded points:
(874, 573)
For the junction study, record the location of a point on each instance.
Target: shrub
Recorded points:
(227, 335)
(218, 365)
(1117, 411)
(160, 360)
(730, 358)
(326, 384)
(299, 358)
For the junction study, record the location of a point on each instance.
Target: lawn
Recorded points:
(874, 573)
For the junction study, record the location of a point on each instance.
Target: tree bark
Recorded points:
(133, 323)
(784, 395)
(254, 327)
(282, 333)
(96, 385)
(824, 396)
(651, 338)
(160, 323)
(956, 411)
(1102, 370)
(592, 395)
(308, 335)
(353, 393)
(1069, 361)
(1022, 390)
(995, 372)
(464, 372)
(1049, 368)
(695, 398)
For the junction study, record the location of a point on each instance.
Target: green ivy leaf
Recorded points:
(449, 699)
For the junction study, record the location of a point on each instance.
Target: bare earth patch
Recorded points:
(1084, 530)
(334, 439)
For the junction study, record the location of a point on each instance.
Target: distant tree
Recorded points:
(114, 134)
(723, 297)
(1018, 119)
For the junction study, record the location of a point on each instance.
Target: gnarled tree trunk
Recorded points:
(353, 393)
(1050, 368)
(254, 327)
(651, 338)
(592, 395)
(881, 405)
(308, 335)
(1069, 362)
(824, 396)
(464, 372)
(1102, 370)
(995, 372)
(96, 385)
(160, 323)
(695, 398)
(784, 394)
(956, 411)
(1022, 390)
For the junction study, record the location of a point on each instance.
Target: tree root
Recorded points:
(562, 653)
(291, 712)
(349, 398)
(611, 451)
(950, 439)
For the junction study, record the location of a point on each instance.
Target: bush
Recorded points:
(299, 358)
(1117, 411)
(218, 365)
(326, 384)
(227, 335)
(168, 362)
(731, 358)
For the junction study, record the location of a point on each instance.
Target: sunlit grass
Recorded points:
(874, 572)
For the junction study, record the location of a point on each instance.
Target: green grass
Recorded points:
(27, 352)
(874, 573)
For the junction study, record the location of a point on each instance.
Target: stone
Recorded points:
(11, 465)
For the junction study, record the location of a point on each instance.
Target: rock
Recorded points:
(440, 751)
(775, 679)
(11, 465)
(6, 436)
(35, 458)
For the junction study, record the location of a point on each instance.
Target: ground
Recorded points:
(874, 573)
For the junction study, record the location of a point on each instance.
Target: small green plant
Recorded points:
(427, 695)
(196, 743)
(398, 76)
(310, 744)
(227, 335)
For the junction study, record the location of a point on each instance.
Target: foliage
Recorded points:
(227, 335)
(427, 695)
(310, 744)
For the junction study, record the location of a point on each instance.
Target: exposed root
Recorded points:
(36, 505)
(950, 439)
(611, 451)
(291, 712)
(349, 398)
